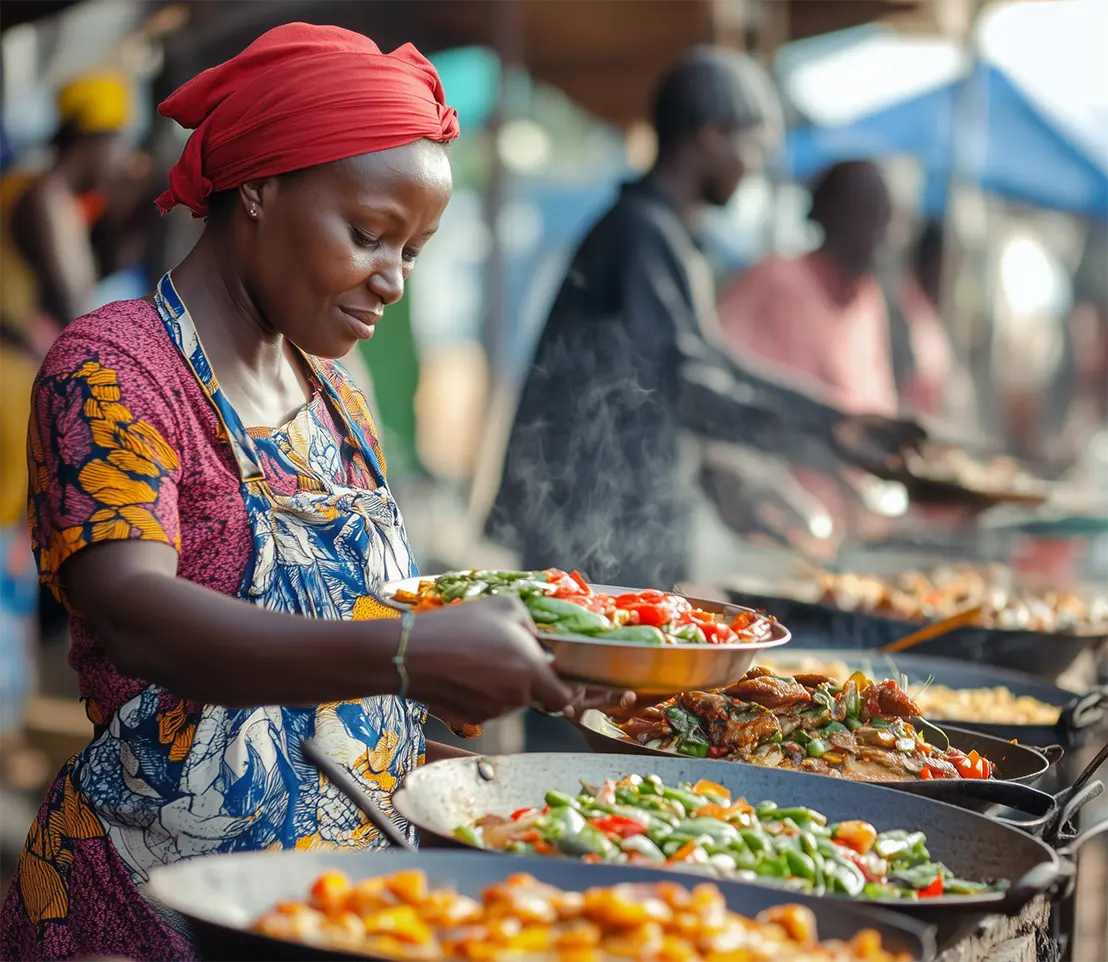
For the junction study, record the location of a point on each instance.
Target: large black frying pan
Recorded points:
(1079, 713)
(221, 896)
(440, 797)
(814, 623)
(1018, 768)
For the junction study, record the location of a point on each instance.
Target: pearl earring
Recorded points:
(253, 210)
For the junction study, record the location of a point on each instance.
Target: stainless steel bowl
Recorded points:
(647, 669)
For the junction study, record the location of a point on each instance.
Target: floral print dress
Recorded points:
(132, 438)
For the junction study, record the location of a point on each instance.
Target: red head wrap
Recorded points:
(298, 96)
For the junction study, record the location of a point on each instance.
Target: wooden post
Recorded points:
(505, 735)
(508, 36)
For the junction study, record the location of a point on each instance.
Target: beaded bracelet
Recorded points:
(407, 619)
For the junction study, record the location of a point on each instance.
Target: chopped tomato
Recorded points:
(618, 826)
(649, 614)
(591, 859)
(717, 751)
(973, 766)
(717, 634)
(564, 585)
(934, 890)
(519, 813)
(543, 847)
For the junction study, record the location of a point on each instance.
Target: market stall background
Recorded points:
(553, 97)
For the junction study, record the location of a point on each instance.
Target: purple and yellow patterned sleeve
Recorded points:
(101, 467)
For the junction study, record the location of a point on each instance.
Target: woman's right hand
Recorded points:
(481, 660)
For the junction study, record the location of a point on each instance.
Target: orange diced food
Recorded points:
(329, 892)
(409, 886)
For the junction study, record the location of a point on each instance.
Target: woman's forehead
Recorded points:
(422, 163)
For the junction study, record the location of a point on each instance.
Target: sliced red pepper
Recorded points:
(934, 890)
(861, 863)
(543, 847)
(618, 826)
(591, 859)
(717, 751)
(519, 813)
(581, 582)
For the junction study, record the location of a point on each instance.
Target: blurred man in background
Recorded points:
(629, 358)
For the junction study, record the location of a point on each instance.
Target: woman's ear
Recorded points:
(250, 196)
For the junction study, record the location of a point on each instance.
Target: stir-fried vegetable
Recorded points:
(400, 916)
(640, 820)
(565, 604)
(861, 730)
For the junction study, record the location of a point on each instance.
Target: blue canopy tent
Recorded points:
(1026, 120)
(1008, 146)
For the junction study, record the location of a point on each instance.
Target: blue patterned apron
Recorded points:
(240, 783)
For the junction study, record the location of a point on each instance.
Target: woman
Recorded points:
(203, 477)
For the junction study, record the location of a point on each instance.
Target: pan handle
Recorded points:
(1069, 804)
(1071, 848)
(1044, 877)
(1082, 711)
(345, 783)
(1070, 851)
(1041, 805)
(1052, 753)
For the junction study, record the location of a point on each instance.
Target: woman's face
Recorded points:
(333, 245)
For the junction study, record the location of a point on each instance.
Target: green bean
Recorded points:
(800, 865)
(556, 799)
(463, 833)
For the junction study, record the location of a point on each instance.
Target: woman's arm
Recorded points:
(50, 233)
(214, 649)
(472, 662)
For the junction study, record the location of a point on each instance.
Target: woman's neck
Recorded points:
(229, 322)
(259, 371)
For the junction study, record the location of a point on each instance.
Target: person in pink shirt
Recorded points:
(821, 320)
(822, 316)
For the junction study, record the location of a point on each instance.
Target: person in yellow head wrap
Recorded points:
(46, 256)
(47, 276)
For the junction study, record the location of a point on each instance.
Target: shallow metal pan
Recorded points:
(649, 669)
(1018, 769)
(440, 797)
(819, 625)
(220, 896)
(1080, 714)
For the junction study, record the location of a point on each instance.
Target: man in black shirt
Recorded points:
(628, 359)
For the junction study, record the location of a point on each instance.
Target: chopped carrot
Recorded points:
(705, 787)
(683, 852)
